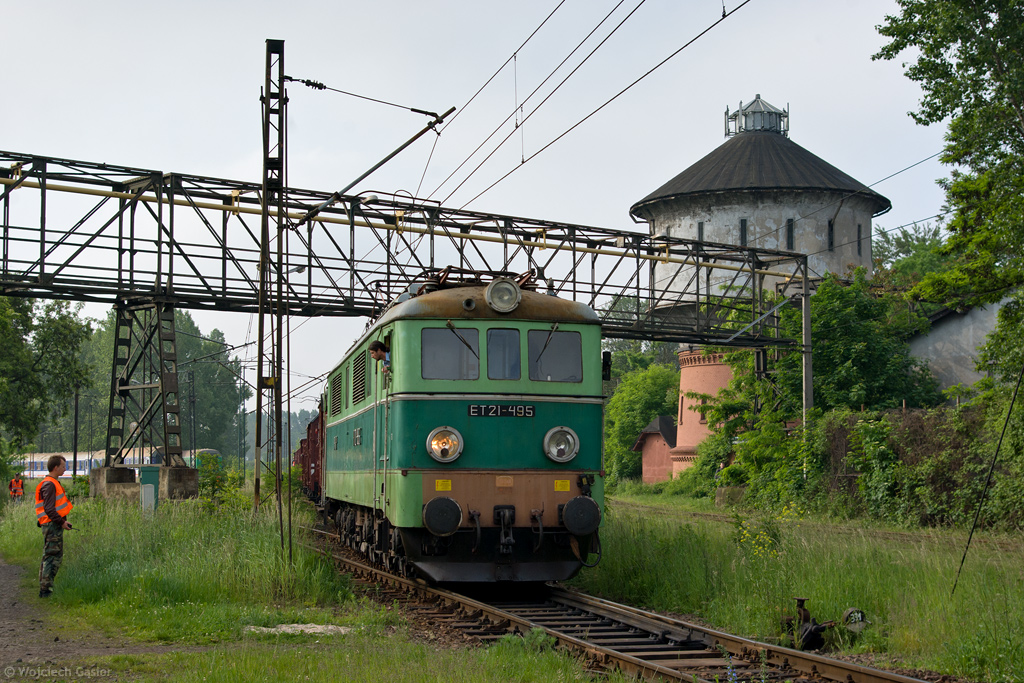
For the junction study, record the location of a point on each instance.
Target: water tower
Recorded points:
(758, 189)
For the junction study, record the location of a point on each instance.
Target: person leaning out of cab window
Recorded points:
(381, 353)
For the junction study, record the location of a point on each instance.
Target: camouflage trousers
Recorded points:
(53, 553)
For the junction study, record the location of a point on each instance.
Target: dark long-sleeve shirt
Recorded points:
(48, 492)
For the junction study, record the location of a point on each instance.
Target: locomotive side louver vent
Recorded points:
(358, 378)
(336, 390)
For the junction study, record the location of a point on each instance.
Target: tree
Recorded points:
(40, 367)
(861, 351)
(629, 355)
(202, 359)
(970, 65)
(640, 397)
(210, 376)
(861, 359)
(904, 258)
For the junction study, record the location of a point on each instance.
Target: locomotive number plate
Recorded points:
(491, 410)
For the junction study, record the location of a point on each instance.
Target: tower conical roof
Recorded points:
(756, 161)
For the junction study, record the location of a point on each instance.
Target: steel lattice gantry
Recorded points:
(147, 242)
(144, 388)
(99, 232)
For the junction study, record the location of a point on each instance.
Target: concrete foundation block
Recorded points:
(178, 483)
(114, 483)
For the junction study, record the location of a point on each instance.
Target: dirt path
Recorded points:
(30, 636)
(24, 634)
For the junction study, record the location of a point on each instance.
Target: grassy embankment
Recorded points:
(186, 577)
(742, 577)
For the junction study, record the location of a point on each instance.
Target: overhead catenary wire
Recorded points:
(519, 124)
(547, 97)
(316, 85)
(607, 102)
(502, 67)
(481, 89)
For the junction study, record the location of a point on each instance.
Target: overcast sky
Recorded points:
(175, 87)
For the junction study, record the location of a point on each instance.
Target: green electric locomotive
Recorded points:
(469, 448)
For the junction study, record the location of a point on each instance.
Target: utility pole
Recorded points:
(240, 421)
(192, 410)
(271, 307)
(74, 442)
(808, 372)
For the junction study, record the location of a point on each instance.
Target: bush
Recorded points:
(733, 475)
(914, 468)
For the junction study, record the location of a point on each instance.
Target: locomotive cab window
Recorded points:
(450, 353)
(555, 356)
(503, 354)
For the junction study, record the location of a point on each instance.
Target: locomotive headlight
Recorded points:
(561, 444)
(503, 295)
(444, 444)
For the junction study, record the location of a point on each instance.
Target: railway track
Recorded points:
(610, 635)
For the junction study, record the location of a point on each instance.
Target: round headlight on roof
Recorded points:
(444, 444)
(561, 444)
(503, 295)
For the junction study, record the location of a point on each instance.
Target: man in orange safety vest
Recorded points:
(17, 489)
(52, 509)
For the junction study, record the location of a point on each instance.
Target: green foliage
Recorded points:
(212, 477)
(907, 255)
(8, 468)
(1002, 356)
(205, 371)
(712, 455)
(356, 656)
(861, 359)
(179, 574)
(744, 583)
(871, 455)
(861, 354)
(641, 396)
(733, 475)
(968, 57)
(902, 260)
(39, 364)
(535, 640)
(220, 486)
(210, 389)
(298, 420)
(78, 488)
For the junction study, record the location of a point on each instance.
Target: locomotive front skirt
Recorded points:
(473, 450)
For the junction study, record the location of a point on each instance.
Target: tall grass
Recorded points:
(743, 578)
(179, 573)
(357, 657)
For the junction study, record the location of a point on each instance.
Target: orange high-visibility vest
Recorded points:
(62, 503)
(17, 487)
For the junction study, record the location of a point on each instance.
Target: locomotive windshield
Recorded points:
(503, 354)
(555, 356)
(453, 353)
(450, 353)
